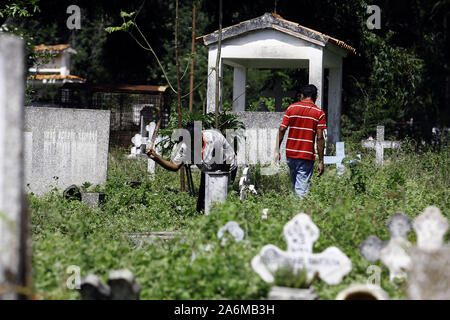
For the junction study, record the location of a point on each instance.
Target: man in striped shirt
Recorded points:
(304, 120)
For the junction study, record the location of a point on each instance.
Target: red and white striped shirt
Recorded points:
(303, 119)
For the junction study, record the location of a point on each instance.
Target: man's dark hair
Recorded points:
(309, 91)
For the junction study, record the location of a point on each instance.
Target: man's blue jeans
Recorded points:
(301, 171)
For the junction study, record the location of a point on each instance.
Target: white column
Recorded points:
(13, 220)
(239, 83)
(316, 74)
(334, 104)
(211, 90)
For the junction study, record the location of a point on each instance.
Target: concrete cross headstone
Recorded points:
(278, 93)
(338, 159)
(233, 228)
(395, 252)
(13, 218)
(121, 286)
(379, 145)
(331, 265)
(429, 277)
(430, 261)
(430, 228)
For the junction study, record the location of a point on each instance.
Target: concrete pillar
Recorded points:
(239, 83)
(211, 90)
(316, 74)
(14, 263)
(216, 188)
(334, 104)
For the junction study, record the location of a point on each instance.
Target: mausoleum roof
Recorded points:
(55, 48)
(117, 88)
(276, 22)
(56, 78)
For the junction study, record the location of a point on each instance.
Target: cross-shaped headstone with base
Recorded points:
(395, 252)
(380, 144)
(234, 229)
(278, 93)
(330, 265)
(339, 157)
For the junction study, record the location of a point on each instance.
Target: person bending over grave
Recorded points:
(304, 119)
(211, 152)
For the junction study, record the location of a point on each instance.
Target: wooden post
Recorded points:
(191, 87)
(178, 87)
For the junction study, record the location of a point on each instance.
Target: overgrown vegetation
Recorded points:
(195, 266)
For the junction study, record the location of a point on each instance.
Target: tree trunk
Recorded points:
(191, 87)
(178, 87)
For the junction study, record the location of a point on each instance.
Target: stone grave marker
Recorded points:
(121, 286)
(429, 277)
(216, 188)
(395, 252)
(92, 199)
(245, 184)
(14, 237)
(264, 214)
(380, 144)
(331, 265)
(233, 228)
(430, 228)
(68, 146)
(338, 159)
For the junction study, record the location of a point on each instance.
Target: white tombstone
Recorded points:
(264, 214)
(339, 157)
(395, 253)
(380, 144)
(13, 217)
(330, 265)
(216, 188)
(430, 227)
(233, 228)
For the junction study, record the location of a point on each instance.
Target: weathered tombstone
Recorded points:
(429, 277)
(14, 237)
(363, 292)
(216, 188)
(69, 146)
(92, 199)
(379, 145)
(234, 229)
(245, 184)
(123, 285)
(330, 265)
(430, 227)
(393, 253)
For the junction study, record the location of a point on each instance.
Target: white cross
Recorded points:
(337, 159)
(331, 265)
(379, 145)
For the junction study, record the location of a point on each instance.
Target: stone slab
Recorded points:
(68, 146)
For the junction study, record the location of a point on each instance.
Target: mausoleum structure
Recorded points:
(270, 41)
